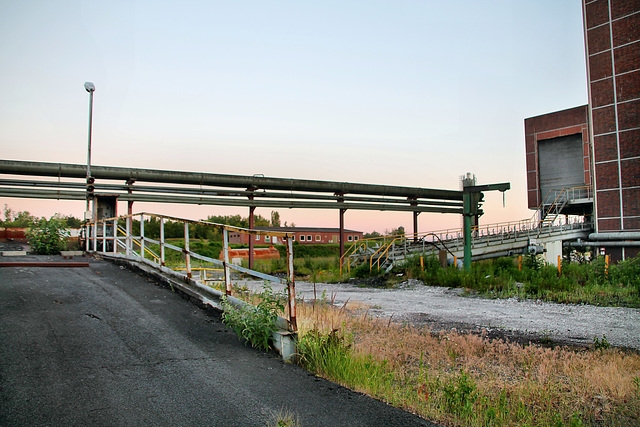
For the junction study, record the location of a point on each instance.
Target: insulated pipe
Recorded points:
(16, 167)
(602, 244)
(621, 235)
(284, 204)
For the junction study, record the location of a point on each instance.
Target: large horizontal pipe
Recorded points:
(618, 244)
(617, 235)
(219, 192)
(16, 167)
(158, 198)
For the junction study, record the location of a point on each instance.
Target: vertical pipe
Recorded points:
(342, 211)
(186, 249)
(251, 237)
(606, 266)
(520, 263)
(415, 227)
(225, 251)
(104, 236)
(291, 285)
(162, 241)
(142, 245)
(466, 215)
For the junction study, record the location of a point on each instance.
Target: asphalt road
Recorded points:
(103, 346)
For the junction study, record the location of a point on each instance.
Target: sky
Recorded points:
(409, 93)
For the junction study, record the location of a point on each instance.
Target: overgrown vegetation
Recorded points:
(503, 278)
(48, 236)
(469, 380)
(257, 323)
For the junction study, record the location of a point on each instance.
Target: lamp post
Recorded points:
(90, 87)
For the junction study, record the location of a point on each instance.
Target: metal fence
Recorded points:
(110, 237)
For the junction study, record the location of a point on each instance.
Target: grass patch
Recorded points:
(468, 380)
(587, 283)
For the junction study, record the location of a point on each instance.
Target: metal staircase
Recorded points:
(492, 240)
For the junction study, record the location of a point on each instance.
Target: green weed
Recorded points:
(255, 324)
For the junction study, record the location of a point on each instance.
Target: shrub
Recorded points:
(255, 324)
(48, 236)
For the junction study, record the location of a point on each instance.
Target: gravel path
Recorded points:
(444, 308)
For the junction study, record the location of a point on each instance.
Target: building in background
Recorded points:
(303, 235)
(597, 146)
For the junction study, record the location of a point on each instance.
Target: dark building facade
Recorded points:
(611, 143)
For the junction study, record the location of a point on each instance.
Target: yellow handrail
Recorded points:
(146, 250)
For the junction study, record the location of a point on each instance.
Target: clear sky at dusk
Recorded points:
(411, 93)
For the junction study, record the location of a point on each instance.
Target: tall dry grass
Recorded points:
(464, 379)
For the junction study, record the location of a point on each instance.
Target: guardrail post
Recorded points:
(186, 249)
(141, 236)
(162, 241)
(104, 236)
(127, 240)
(95, 236)
(227, 270)
(291, 286)
(115, 235)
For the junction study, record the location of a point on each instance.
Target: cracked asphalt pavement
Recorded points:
(102, 345)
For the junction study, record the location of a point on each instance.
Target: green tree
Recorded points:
(372, 235)
(275, 219)
(20, 219)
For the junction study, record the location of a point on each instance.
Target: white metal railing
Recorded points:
(106, 237)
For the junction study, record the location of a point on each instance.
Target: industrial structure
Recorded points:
(108, 184)
(586, 160)
(302, 235)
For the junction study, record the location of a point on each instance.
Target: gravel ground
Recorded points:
(442, 308)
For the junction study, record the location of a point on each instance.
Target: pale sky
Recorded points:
(411, 93)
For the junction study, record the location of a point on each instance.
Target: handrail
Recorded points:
(146, 250)
(124, 249)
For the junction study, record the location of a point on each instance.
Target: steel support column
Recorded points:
(342, 211)
(250, 236)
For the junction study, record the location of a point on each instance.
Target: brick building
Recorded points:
(303, 235)
(607, 129)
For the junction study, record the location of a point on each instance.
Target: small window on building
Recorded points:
(302, 237)
(257, 237)
(293, 238)
(309, 238)
(318, 238)
(356, 238)
(350, 238)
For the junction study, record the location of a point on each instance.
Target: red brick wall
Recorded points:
(547, 126)
(612, 29)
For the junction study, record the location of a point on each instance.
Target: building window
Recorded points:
(356, 238)
(302, 237)
(293, 238)
(318, 238)
(257, 237)
(350, 238)
(309, 238)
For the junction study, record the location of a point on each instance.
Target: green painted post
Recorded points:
(466, 215)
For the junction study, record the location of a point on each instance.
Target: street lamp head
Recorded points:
(89, 86)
